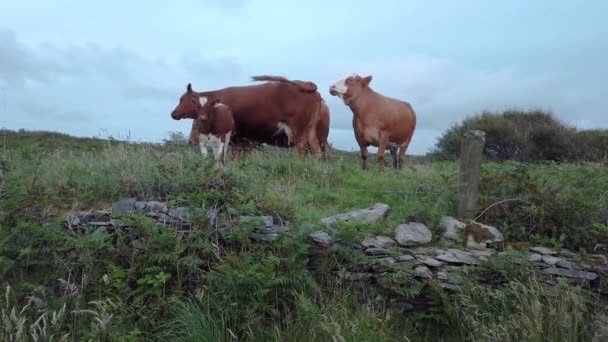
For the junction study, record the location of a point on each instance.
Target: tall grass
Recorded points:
(266, 291)
(522, 311)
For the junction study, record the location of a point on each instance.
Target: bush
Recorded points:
(525, 136)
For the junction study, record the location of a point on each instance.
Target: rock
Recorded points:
(264, 237)
(457, 257)
(569, 265)
(453, 229)
(371, 215)
(123, 207)
(423, 272)
(140, 205)
(601, 328)
(403, 258)
(481, 253)
(266, 221)
(321, 238)
(543, 250)
(74, 219)
(180, 213)
(430, 261)
(412, 234)
(156, 207)
(389, 260)
(354, 276)
(479, 235)
(550, 260)
(448, 286)
(376, 251)
(379, 242)
(442, 276)
(568, 254)
(272, 229)
(535, 257)
(562, 272)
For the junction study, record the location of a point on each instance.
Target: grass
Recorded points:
(179, 287)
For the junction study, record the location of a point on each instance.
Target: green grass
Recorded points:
(183, 286)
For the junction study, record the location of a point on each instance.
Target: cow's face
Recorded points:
(350, 87)
(187, 106)
(206, 109)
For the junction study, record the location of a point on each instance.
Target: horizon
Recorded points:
(85, 69)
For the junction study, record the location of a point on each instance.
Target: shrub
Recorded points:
(525, 136)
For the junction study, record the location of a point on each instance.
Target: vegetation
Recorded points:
(526, 136)
(157, 284)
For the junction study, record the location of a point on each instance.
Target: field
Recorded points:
(99, 287)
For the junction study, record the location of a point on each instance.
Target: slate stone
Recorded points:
(453, 229)
(123, 207)
(378, 212)
(413, 234)
(543, 250)
(321, 238)
(562, 272)
(379, 242)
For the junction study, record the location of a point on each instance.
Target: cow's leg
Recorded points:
(226, 146)
(402, 150)
(393, 151)
(202, 142)
(300, 142)
(381, 149)
(313, 142)
(364, 156)
(218, 146)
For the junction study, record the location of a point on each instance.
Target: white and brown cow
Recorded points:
(378, 120)
(214, 121)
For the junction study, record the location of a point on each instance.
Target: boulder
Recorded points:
(403, 258)
(543, 250)
(378, 242)
(378, 212)
(430, 261)
(265, 221)
(478, 235)
(123, 207)
(562, 272)
(457, 257)
(453, 229)
(321, 238)
(534, 257)
(423, 272)
(550, 260)
(412, 234)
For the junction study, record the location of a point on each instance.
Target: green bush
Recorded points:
(525, 136)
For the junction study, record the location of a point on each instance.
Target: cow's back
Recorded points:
(257, 109)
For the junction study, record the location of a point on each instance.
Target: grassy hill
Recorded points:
(109, 289)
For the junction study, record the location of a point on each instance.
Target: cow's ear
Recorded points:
(366, 80)
(189, 88)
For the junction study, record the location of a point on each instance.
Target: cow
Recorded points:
(378, 120)
(322, 131)
(216, 124)
(261, 110)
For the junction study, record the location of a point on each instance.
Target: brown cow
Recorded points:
(322, 130)
(260, 110)
(216, 124)
(378, 120)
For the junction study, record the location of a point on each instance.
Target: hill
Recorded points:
(214, 279)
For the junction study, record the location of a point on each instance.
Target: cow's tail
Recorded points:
(306, 86)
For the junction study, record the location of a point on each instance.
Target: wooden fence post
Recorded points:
(470, 168)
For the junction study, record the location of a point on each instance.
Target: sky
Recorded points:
(101, 68)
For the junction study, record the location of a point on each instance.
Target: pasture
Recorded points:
(93, 286)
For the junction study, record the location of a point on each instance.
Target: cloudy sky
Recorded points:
(91, 68)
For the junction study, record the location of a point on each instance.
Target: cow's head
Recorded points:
(206, 109)
(187, 106)
(350, 87)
